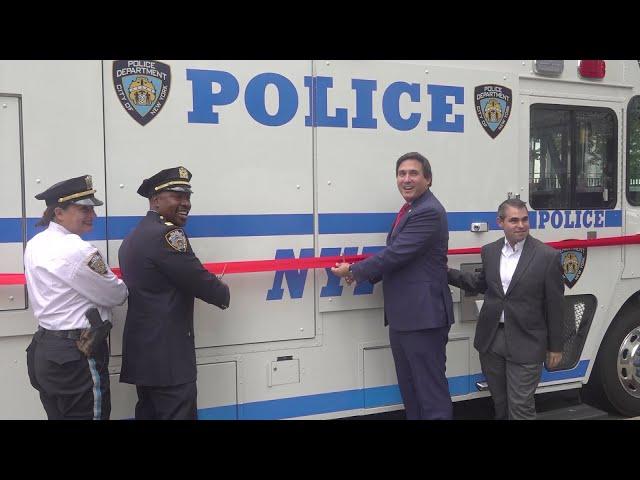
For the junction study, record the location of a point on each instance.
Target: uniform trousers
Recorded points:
(176, 402)
(71, 386)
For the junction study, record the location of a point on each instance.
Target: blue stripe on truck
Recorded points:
(354, 399)
(212, 226)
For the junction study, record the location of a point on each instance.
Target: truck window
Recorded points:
(572, 157)
(633, 151)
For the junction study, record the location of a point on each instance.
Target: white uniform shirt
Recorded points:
(508, 262)
(65, 277)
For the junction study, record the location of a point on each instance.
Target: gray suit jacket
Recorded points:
(533, 305)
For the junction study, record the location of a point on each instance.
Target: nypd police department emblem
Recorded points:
(96, 263)
(493, 106)
(177, 239)
(573, 261)
(142, 87)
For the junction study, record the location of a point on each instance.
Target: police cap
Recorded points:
(174, 179)
(77, 190)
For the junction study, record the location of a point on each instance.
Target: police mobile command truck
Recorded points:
(294, 161)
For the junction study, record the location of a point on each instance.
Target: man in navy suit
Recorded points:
(417, 300)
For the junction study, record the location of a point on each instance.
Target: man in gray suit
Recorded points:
(521, 320)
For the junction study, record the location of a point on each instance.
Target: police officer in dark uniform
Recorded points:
(71, 290)
(164, 276)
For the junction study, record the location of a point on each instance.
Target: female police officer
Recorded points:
(66, 277)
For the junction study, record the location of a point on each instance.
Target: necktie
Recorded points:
(405, 208)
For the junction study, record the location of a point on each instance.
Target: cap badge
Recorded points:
(183, 172)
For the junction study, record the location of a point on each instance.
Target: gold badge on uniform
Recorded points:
(183, 173)
(96, 263)
(177, 239)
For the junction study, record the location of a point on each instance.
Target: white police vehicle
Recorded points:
(295, 160)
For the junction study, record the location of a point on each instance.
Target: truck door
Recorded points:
(12, 217)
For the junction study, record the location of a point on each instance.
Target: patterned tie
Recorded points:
(405, 208)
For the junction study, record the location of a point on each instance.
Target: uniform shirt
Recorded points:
(508, 262)
(65, 277)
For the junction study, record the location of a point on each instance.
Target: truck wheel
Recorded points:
(613, 379)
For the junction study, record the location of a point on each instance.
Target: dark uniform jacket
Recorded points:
(163, 276)
(533, 304)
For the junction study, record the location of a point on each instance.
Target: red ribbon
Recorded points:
(250, 266)
(12, 279)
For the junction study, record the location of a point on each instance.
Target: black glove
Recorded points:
(91, 337)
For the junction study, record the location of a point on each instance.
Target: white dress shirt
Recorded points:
(509, 259)
(61, 282)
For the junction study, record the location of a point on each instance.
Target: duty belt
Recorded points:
(72, 334)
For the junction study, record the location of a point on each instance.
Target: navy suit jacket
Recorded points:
(413, 268)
